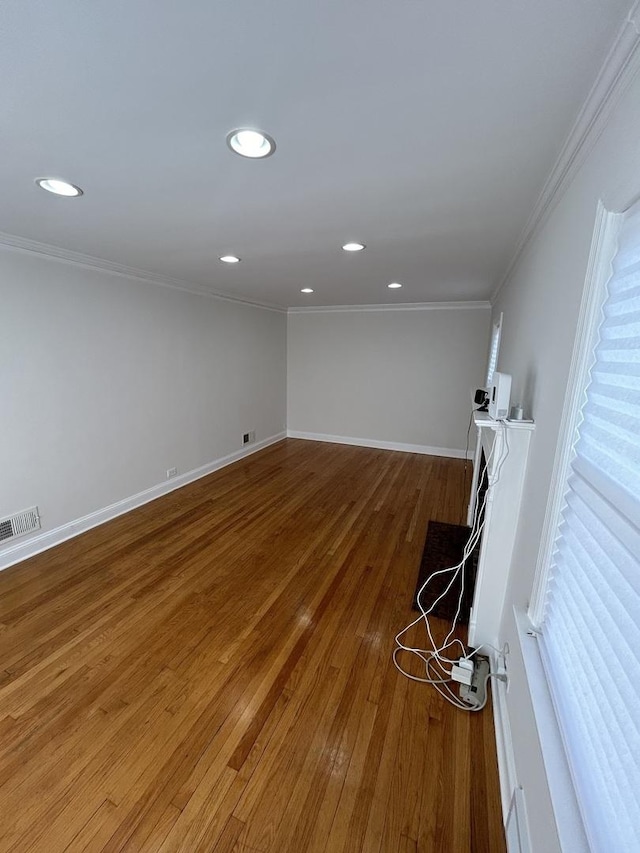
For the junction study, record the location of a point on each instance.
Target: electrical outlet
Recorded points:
(501, 670)
(171, 472)
(248, 437)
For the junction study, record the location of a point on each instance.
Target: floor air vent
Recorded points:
(19, 524)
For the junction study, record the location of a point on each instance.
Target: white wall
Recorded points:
(541, 303)
(398, 376)
(106, 382)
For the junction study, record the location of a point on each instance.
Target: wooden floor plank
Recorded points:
(212, 672)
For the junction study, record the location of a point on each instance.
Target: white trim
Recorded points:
(402, 306)
(49, 538)
(569, 823)
(621, 64)
(504, 742)
(597, 275)
(516, 826)
(380, 445)
(32, 247)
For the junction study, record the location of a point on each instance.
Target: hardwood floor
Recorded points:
(213, 672)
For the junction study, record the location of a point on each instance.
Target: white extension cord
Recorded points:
(441, 670)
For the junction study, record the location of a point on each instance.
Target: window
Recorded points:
(589, 611)
(493, 352)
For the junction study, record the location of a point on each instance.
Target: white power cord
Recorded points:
(435, 657)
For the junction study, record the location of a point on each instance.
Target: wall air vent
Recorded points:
(19, 524)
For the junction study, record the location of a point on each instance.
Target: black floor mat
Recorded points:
(443, 547)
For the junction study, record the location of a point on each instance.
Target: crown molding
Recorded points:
(402, 306)
(56, 253)
(78, 259)
(620, 65)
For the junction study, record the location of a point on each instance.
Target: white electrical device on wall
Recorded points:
(499, 396)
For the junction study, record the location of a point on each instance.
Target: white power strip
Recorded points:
(475, 693)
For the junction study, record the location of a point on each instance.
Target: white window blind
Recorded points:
(590, 635)
(494, 350)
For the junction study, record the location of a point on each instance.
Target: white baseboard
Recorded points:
(381, 445)
(504, 744)
(28, 548)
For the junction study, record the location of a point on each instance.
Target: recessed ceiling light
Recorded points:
(55, 185)
(307, 290)
(354, 247)
(394, 285)
(251, 143)
(229, 259)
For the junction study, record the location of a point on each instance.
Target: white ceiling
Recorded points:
(425, 129)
